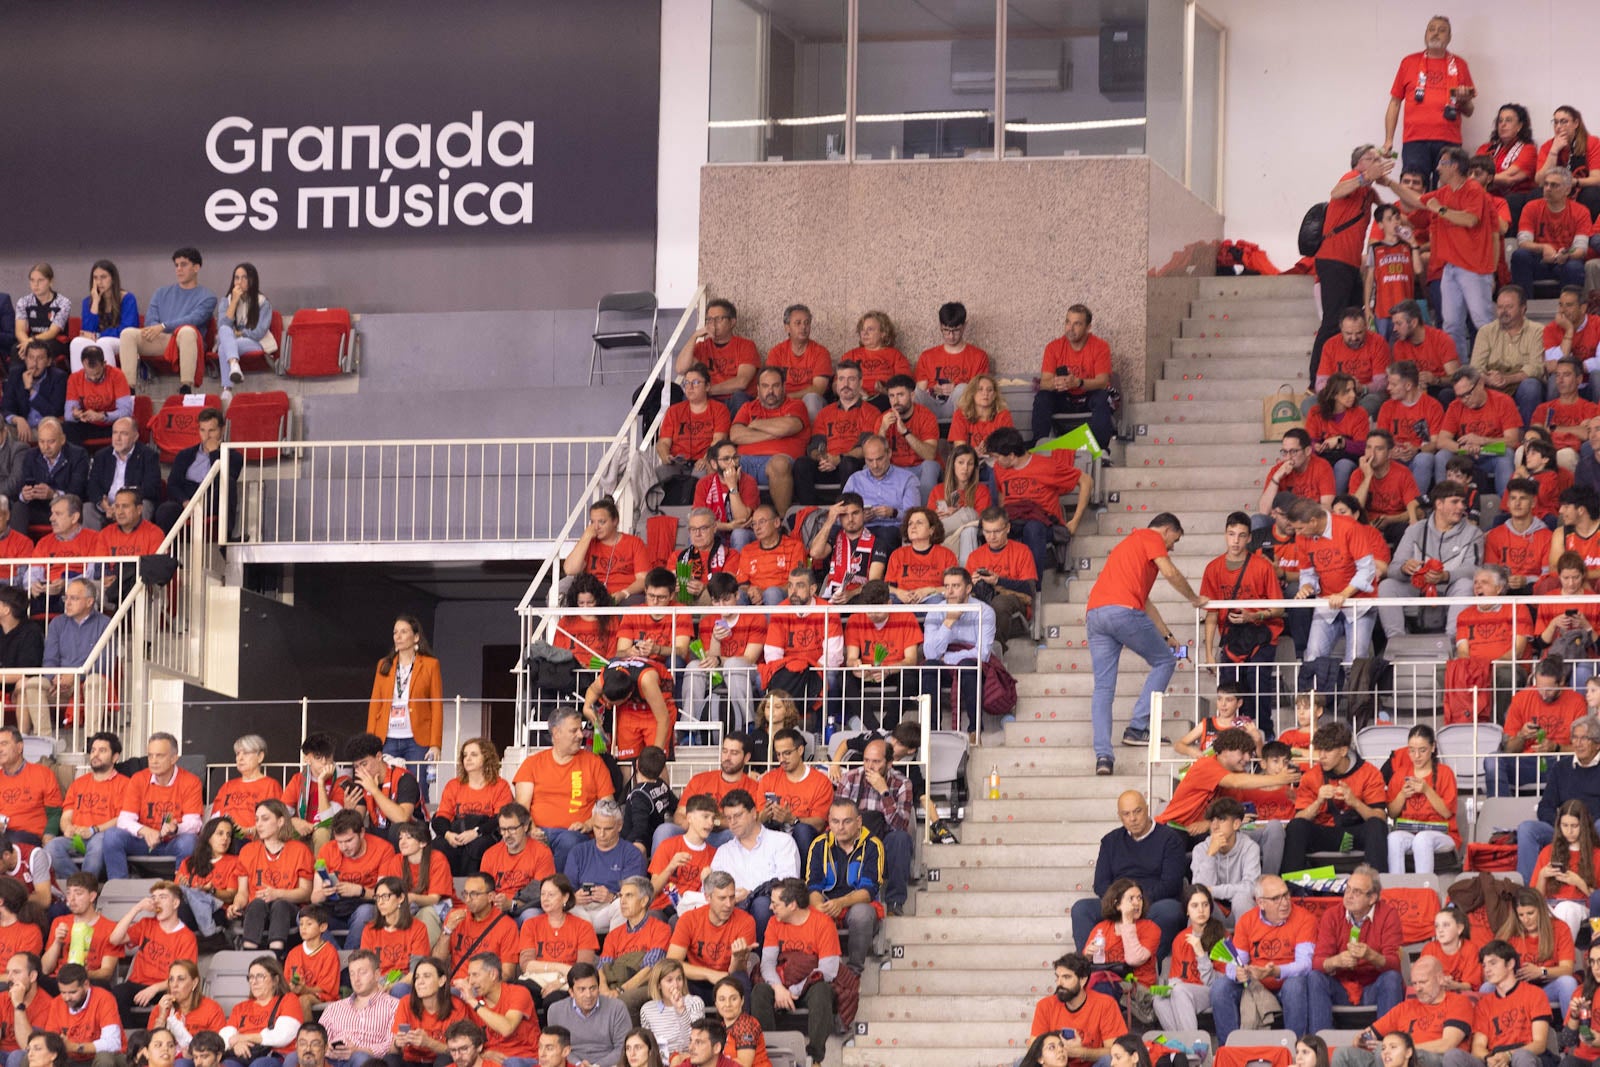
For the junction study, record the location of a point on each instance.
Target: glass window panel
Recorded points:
(1203, 147)
(777, 80)
(1165, 133)
(925, 79)
(1075, 77)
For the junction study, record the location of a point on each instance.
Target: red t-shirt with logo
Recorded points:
(936, 365)
(1390, 492)
(878, 365)
(1560, 415)
(1043, 480)
(1090, 361)
(1498, 414)
(1585, 339)
(1430, 354)
(1472, 248)
(843, 428)
(976, 431)
(617, 565)
(911, 569)
(923, 425)
(1345, 215)
(1129, 571)
(793, 446)
(1524, 553)
(800, 371)
(1411, 424)
(693, 432)
(1313, 483)
(1363, 364)
(724, 361)
(1436, 77)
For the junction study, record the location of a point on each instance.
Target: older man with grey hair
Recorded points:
(1438, 1021)
(1574, 777)
(1552, 235)
(597, 867)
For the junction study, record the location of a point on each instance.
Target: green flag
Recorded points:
(1074, 439)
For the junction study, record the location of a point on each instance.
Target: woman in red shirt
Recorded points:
(1424, 794)
(554, 941)
(747, 1045)
(981, 411)
(1452, 946)
(1570, 148)
(466, 820)
(588, 636)
(210, 877)
(426, 1013)
(394, 934)
(21, 920)
(425, 874)
(268, 1020)
(960, 499)
(1515, 157)
(1544, 948)
(1338, 428)
(1190, 971)
(916, 569)
(1585, 1010)
(182, 1009)
(1124, 935)
(1566, 875)
(277, 872)
(879, 358)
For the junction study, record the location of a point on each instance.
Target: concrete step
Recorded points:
(1256, 287)
(987, 1034)
(930, 959)
(1287, 347)
(1234, 455)
(1191, 551)
(1241, 411)
(1286, 326)
(1079, 684)
(1149, 503)
(1041, 684)
(1048, 904)
(1080, 734)
(955, 863)
(1236, 391)
(1072, 612)
(1052, 832)
(1012, 809)
(1117, 521)
(1032, 931)
(867, 1052)
(1229, 310)
(897, 981)
(1045, 877)
(1024, 770)
(977, 1006)
(1174, 433)
(1128, 478)
(1233, 368)
(1067, 769)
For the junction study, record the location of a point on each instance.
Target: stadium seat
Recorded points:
(1502, 813)
(787, 1048)
(35, 748)
(226, 977)
(1374, 743)
(1337, 1039)
(1257, 1038)
(177, 425)
(119, 895)
(144, 409)
(259, 417)
(947, 770)
(254, 361)
(167, 362)
(319, 343)
(1456, 742)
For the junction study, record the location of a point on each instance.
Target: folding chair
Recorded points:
(614, 334)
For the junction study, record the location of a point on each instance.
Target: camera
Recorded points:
(1450, 112)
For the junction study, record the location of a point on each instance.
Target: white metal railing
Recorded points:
(866, 696)
(178, 611)
(409, 491)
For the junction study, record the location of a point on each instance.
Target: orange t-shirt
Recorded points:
(319, 970)
(564, 793)
(713, 785)
(158, 949)
(1334, 554)
(800, 371)
(1352, 424)
(1426, 1022)
(1556, 891)
(724, 360)
(1013, 561)
(1098, 1021)
(1266, 943)
(617, 565)
(878, 365)
(937, 366)
(365, 869)
(975, 432)
(523, 1042)
(85, 542)
(143, 540)
(237, 799)
(207, 1015)
(793, 445)
(802, 636)
(152, 802)
(1507, 1019)
(1464, 966)
(1560, 416)
(923, 425)
(817, 935)
(462, 799)
(1525, 553)
(686, 879)
(766, 567)
(1149, 935)
(21, 937)
(711, 946)
(101, 396)
(1129, 571)
(1195, 792)
(1090, 361)
(1391, 493)
(898, 634)
(1472, 248)
(1043, 480)
(653, 935)
(534, 863)
(843, 429)
(1259, 582)
(693, 433)
(427, 1023)
(38, 1009)
(1555, 718)
(501, 938)
(1364, 781)
(1420, 809)
(910, 569)
(1393, 279)
(285, 869)
(100, 946)
(85, 1026)
(1313, 483)
(807, 799)
(440, 880)
(1487, 631)
(558, 945)
(25, 795)
(395, 947)
(1498, 414)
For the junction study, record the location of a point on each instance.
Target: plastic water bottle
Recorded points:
(1097, 948)
(828, 729)
(994, 782)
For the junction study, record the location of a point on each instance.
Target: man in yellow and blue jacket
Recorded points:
(844, 871)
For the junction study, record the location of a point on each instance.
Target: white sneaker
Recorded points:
(235, 375)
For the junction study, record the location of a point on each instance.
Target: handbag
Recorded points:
(1281, 413)
(999, 688)
(1241, 640)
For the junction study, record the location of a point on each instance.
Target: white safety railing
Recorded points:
(713, 697)
(177, 611)
(412, 491)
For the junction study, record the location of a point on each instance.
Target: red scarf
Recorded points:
(703, 567)
(845, 565)
(717, 499)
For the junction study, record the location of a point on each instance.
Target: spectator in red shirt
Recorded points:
(1515, 158)
(1427, 348)
(1567, 416)
(912, 432)
(1552, 235)
(707, 554)
(1386, 489)
(689, 428)
(1464, 245)
(1338, 428)
(732, 646)
(1337, 564)
(1436, 89)
(981, 412)
(1031, 487)
(1573, 332)
(877, 357)
(1299, 471)
(881, 650)
(835, 447)
(1360, 353)
(1569, 147)
(807, 365)
(97, 396)
(772, 431)
(732, 360)
(944, 371)
(620, 560)
(1357, 958)
(1074, 378)
(1391, 268)
(1479, 416)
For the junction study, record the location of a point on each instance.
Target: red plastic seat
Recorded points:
(259, 417)
(167, 362)
(254, 361)
(144, 409)
(318, 344)
(177, 425)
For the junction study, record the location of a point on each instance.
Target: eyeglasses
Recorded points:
(1278, 898)
(1290, 451)
(718, 318)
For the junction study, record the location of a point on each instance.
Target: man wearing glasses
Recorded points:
(68, 644)
(1552, 239)
(944, 370)
(1299, 471)
(732, 360)
(1357, 959)
(1479, 417)
(1274, 944)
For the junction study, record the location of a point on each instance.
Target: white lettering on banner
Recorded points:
(235, 145)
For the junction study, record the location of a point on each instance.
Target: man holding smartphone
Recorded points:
(1075, 377)
(359, 1027)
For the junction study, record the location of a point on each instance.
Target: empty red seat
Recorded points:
(177, 425)
(259, 417)
(319, 343)
(144, 409)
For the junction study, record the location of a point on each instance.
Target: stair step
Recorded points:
(1241, 456)
(1047, 685)
(1080, 734)
(984, 812)
(1256, 287)
(1164, 413)
(1286, 326)
(976, 1006)
(1065, 773)
(930, 959)
(1044, 877)
(1039, 832)
(1053, 932)
(1173, 434)
(1126, 479)
(899, 981)
(1023, 769)
(1257, 308)
(865, 1053)
(986, 1034)
(1046, 904)
(1196, 522)
(1078, 685)
(958, 863)
(1288, 347)
(1190, 369)
(1151, 503)
(1235, 390)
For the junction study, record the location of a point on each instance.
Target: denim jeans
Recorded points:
(64, 863)
(1225, 993)
(1111, 629)
(1528, 267)
(1464, 294)
(1498, 466)
(561, 842)
(1421, 467)
(1326, 626)
(1324, 991)
(408, 749)
(120, 845)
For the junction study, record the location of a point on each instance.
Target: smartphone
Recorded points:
(1571, 613)
(1061, 372)
(404, 1028)
(772, 798)
(1181, 652)
(587, 887)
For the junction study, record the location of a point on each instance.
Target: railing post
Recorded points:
(136, 670)
(305, 716)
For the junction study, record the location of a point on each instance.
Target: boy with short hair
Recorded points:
(1230, 716)
(651, 801)
(312, 967)
(1308, 710)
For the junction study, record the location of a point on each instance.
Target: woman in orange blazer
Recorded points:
(405, 709)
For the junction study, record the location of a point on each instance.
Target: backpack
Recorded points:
(1311, 235)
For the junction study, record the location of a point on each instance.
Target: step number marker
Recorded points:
(933, 874)
(1115, 498)
(897, 952)
(1141, 430)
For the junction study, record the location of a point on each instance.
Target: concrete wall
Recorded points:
(1016, 241)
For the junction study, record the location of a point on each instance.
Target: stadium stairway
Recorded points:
(972, 955)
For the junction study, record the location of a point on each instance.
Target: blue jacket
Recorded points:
(1568, 781)
(127, 316)
(1158, 863)
(833, 870)
(71, 474)
(49, 399)
(143, 474)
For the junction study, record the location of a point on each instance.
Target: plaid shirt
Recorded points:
(365, 1027)
(894, 805)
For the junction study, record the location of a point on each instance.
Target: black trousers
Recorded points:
(1303, 836)
(1341, 288)
(818, 1002)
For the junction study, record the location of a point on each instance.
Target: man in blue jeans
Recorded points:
(1570, 778)
(1122, 615)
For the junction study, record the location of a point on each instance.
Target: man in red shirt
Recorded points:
(68, 538)
(1122, 615)
(97, 396)
(1512, 1025)
(731, 359)
(944, 370)
(1299, 471)
(689, 428)
(1075, 377)
(1342, 795)
(1478, 417)
(1386, 489)
(1410, 416)
(1357, 959)
(1539, 719)
(1031, 486)
(1573, 332)
(796, 927)
(1274, 943)
(772, 432)
(1004, 572)
(1552, 237)
(1241, 639)
(731, 646)
(801, 647)
(91, 807)
(1436, 90)
(1336, 564)
(620, 560)
(834, 451)
(1568, 415)
(912, 432)
(1094, 1018)
(26, 790)
(806, 364)
(1428, 347)
(129, 535)
(1522, 543)
(1464, 244)
(161, 812)
(1359, 352)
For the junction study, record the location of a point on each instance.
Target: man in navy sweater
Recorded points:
(1575, 777)
(1152, 855)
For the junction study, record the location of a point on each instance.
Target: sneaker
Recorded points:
(1135, 738)
(940, 834)
(184, 389)
(896, 909)
(235, 375)
(1105, 766)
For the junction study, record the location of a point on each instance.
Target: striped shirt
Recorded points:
(364, 1026)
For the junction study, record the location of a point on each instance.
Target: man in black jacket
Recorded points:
(190, 468)
(1574, 777)
(1152, 855)
(51, 470)
(127, 464)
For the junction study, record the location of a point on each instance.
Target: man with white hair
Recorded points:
(597, 867)
(1552, 235)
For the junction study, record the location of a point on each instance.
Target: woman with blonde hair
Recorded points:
(776, 711)
(879, 358)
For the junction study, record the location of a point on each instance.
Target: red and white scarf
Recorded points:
(846, 568)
